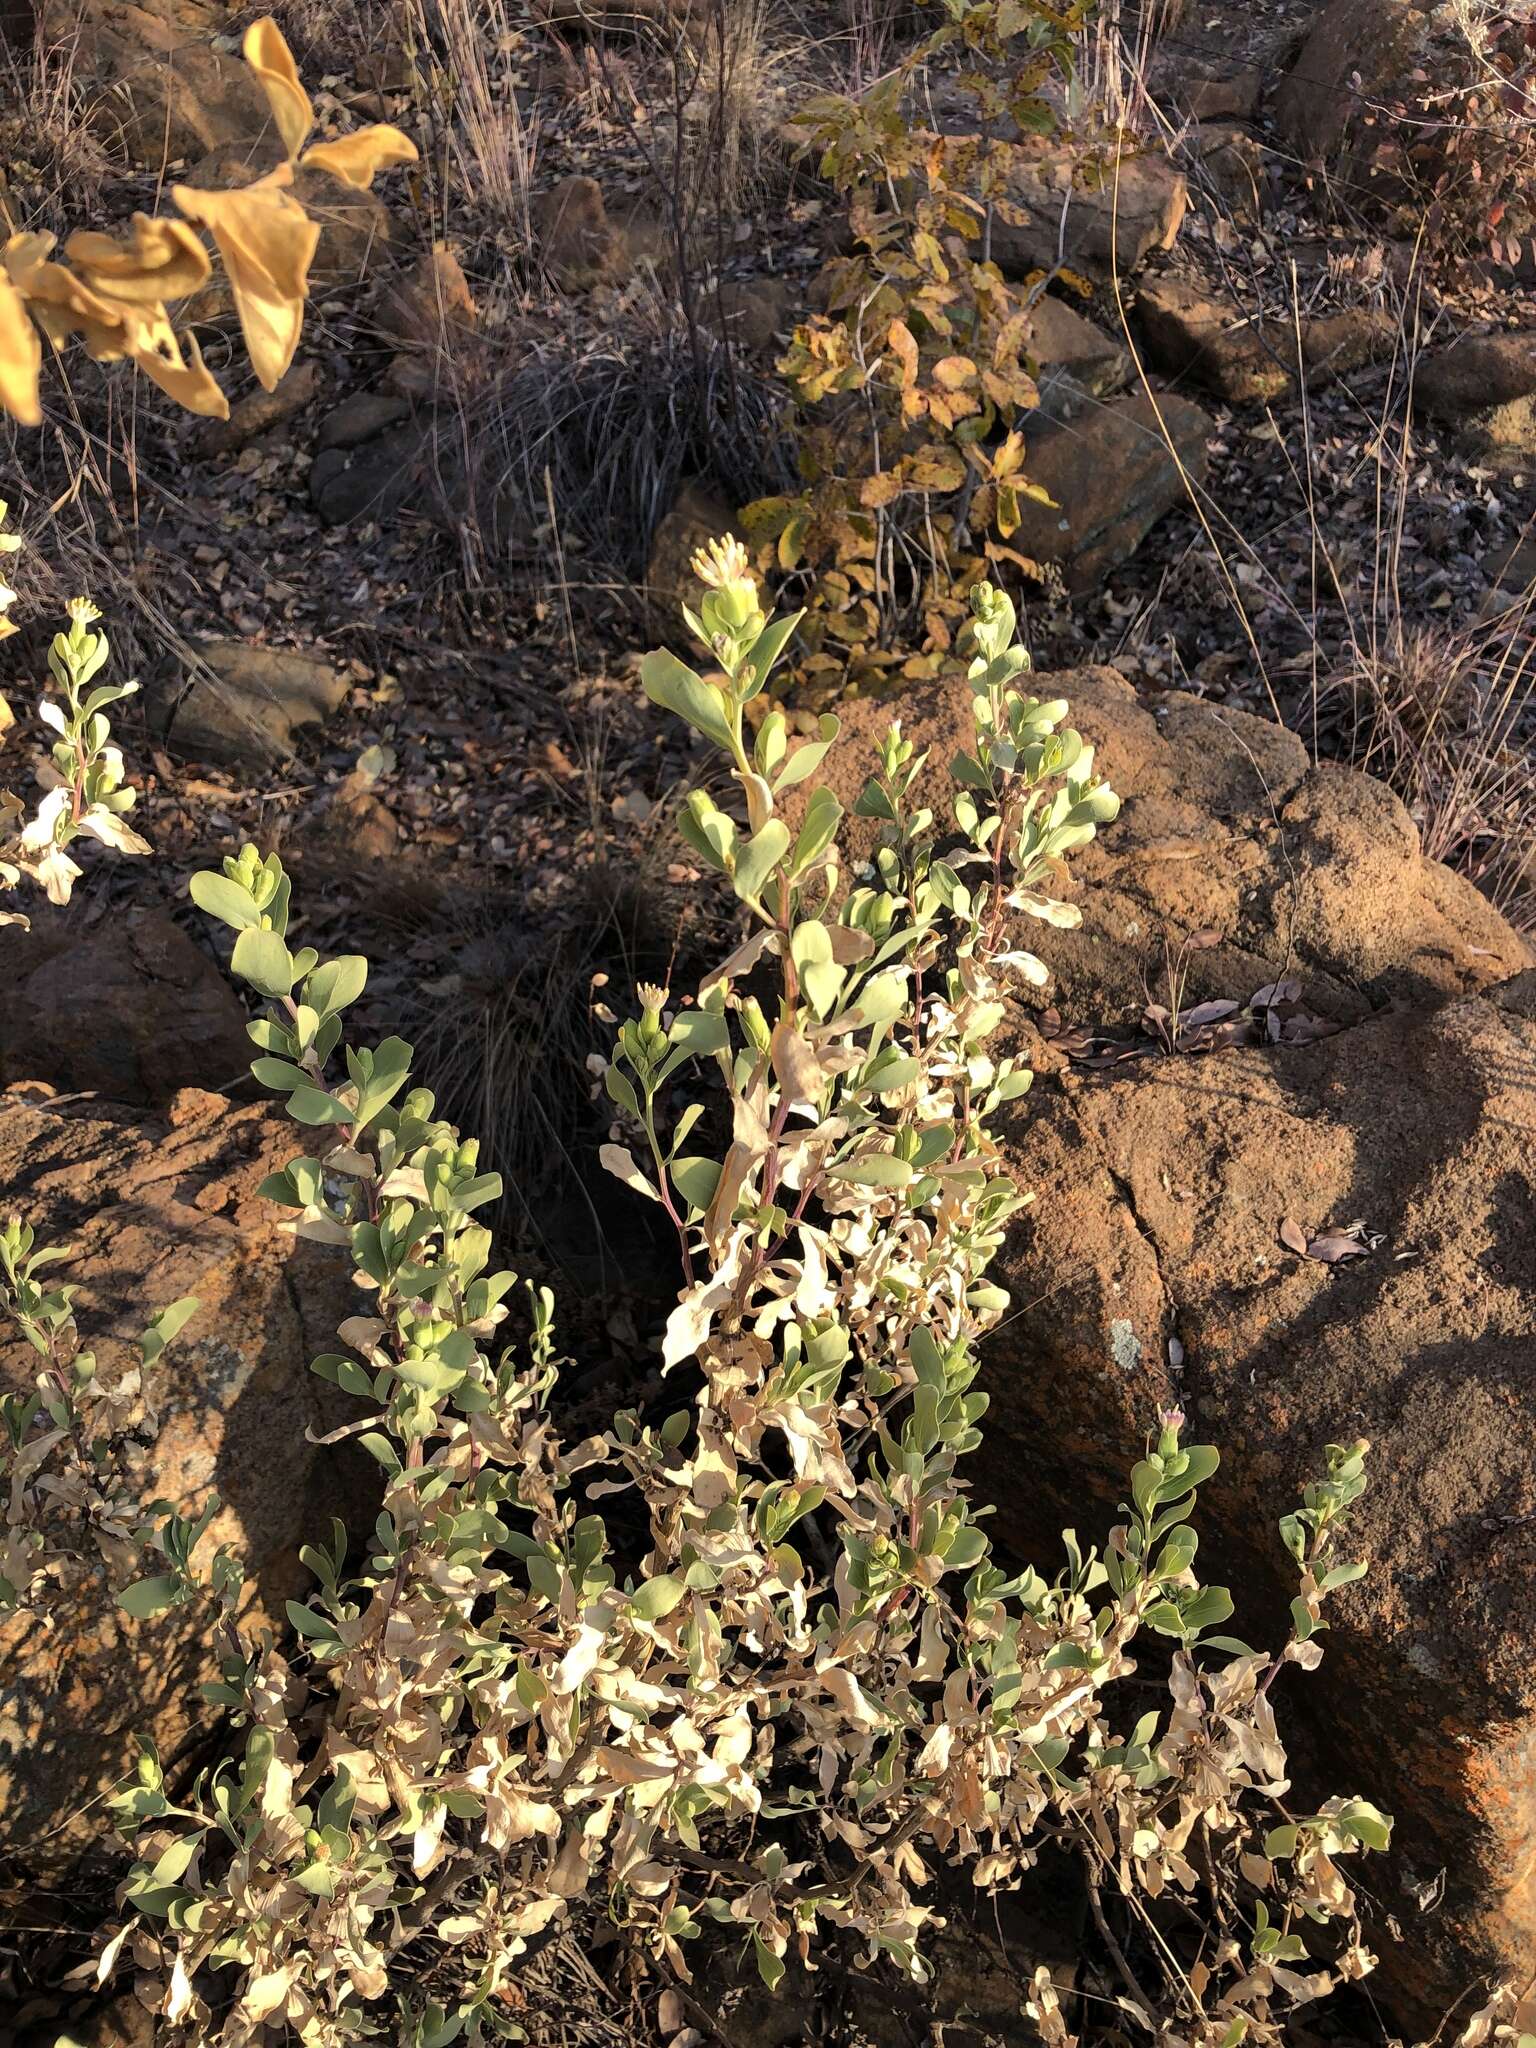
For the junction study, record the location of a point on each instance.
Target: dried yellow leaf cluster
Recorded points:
(113, 293)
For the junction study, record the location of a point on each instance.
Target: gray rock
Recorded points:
(148, 79)
(253, 701)
(1062, 398)
(1112, 476)
(578, 244)
(1097, 225)
(1188, 334)
(1197, 87)
(354, 224)
(87, 1003)
(1232, 168)
(367, 479)
(1354, 52)
(362, 417)
(1064, 341)
(259, 411)
(1483, 385)
(1159, 1190)
(1511, 579)
(757, 312)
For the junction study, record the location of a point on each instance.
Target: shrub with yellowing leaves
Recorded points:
(113, 294)
(914, 382)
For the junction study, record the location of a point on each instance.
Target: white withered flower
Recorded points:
(719, 563)
(653, 1001)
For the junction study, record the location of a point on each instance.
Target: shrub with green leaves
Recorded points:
(810, 1681)
(85, 791)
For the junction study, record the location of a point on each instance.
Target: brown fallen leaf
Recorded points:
(1329, 1247)
(1207, 1013)
(1286, 991)
(1333, 1246)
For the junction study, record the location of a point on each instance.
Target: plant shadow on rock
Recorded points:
(507, 1049)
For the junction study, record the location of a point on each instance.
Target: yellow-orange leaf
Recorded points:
(267, 241)
(357, 159)
(1009, 458)
(21, 356)
(1008, 393)
(904, 347)
(926, 249)
(954, 372)
(963, 215)
(272, 61)
(189, 382)
(881, 489)
(792, 539)
(61, 304)
(165, 260)
(937, 469)
(1012, 336)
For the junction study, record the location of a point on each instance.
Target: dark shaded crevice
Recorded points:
(1148, 1237)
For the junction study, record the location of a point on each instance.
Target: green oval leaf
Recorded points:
(264, 961)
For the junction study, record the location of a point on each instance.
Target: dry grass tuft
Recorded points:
(872, 37)
(55, 164)
(1111, 91)
(747, 80)
(1442, 711)
(1447, 717)
(486, 148)
(318, 28)
(608, 428)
